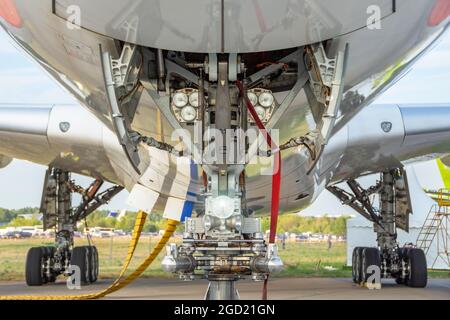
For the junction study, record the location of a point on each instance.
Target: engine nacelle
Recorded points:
(5, 161)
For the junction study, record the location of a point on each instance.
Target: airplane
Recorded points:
(217, 112)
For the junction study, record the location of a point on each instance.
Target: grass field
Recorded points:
(301, 259)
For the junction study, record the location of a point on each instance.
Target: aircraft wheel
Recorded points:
(80, 258)
(369, 257)
(93, 263)
(356, 264)
(418, 274)
(34, 268)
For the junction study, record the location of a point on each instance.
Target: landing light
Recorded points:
(223, 207)
(193, 99)
(188, 114)
(261, 112)
(266, 99)
(180, 99)
(253, 98)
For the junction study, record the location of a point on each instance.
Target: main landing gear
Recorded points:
(41, 264)
(45, 264)
(407, 265)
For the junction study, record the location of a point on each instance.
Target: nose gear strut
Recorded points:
(225, 242)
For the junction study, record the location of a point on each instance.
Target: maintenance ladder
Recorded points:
(436, 227)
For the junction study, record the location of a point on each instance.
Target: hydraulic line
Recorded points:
(118, 283)
(276, 177)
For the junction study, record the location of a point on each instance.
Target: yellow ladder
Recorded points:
(436, 227)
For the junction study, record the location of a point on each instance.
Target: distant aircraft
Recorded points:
(171, 92)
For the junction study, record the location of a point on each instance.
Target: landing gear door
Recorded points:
(48, 201)
(403, 207)
(224, 26)
(264, 25)
(191, 26)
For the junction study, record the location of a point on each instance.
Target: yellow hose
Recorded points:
(118, 283)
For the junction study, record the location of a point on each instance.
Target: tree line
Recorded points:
(292, 223)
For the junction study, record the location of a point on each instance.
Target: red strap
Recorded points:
(276, 177)
(264, 293)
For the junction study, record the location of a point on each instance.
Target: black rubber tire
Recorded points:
(93, 263)
(80, 258)
(33, 267)
(418, 274)
(356, 265)
(369, 257)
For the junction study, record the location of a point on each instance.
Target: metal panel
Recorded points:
(224, 25)
(33, 120)
(437, 119)
(263, 25)
(193, 25)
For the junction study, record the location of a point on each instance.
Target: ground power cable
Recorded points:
(120, 282)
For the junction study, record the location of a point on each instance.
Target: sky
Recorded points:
(22, 81)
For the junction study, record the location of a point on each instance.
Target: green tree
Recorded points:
(22, 222)
(298, 224)
(7, 215)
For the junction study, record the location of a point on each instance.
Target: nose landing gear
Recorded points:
(224, 243)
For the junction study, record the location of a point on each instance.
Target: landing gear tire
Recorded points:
(356, 265)
(81, 258)
(399, 281)
(34, 268)
(369, 257)
(418, 275)
(93, 264)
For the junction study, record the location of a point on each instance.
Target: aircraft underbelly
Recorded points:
(225, 25)
(72, 57)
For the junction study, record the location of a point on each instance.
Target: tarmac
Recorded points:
(279, 289)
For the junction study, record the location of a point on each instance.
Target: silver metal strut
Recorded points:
(223, 243)
(222, 288)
